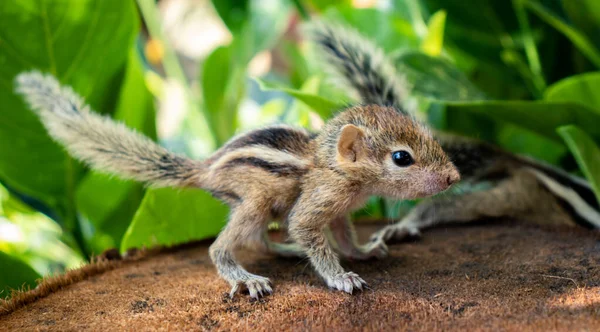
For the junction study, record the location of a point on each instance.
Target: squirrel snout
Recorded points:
(453, 178)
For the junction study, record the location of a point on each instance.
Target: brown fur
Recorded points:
(333, 174)
(522, 188)
(519, 190)
(278, 173)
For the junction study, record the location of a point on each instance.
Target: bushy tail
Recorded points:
(104, 144)
(358, 63)
(575, 194)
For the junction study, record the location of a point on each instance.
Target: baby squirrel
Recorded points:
(275, 173)
(521, 187)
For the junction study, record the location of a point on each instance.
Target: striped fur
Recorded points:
(364, 68)
(481, 161)
(358, 64)
(97, 140)
(275, 172)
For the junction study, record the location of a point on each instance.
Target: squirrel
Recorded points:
(521, 188)
(274, 173)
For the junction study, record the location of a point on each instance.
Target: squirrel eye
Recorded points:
(402, 158)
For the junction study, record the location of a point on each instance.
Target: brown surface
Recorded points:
(484, 277)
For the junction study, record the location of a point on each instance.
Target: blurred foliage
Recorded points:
(520, 74)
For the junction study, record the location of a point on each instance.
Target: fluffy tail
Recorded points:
(575, 194)
(105, 145)
(359, 64)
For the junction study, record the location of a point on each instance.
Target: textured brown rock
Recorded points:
(483, 277)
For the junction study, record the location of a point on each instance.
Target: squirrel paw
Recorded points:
(346, 282)
(257, 286)
(395, 232)
(373, 249)
(376, 249)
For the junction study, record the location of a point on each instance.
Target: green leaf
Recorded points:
(221, 87)
(586, 152)
(436, 78)
(255, 25)
(434, 40)
(373, 209)
(70, 40)
(33, 237)
(476, 34)
(321, 5)
(506, 135)
(268, 21)
(300, 68)
(16, 275)
(581, 89)
(585, 15)
(172, 216)
(322, 106)
(535, 72)
(135, 106)
(99, 198)
(390, 33)
(540, 117)
(577, 38)
(108, 203)
(234, 13)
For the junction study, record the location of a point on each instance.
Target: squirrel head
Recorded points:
(387, 151)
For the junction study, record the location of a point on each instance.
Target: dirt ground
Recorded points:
(500, 276)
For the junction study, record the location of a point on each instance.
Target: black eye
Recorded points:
(402, 158)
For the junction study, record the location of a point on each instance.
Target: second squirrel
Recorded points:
(521, 187)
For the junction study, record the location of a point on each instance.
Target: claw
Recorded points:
(252, 290)
(234, 290)
(348, 286)
(346, 282)
(257, 286)
(358, 283)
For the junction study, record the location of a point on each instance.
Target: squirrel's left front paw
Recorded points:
(376, 249)
(346, 282)
(395, 232)
(373, 249)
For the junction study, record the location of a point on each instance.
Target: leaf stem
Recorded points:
(530, 47)
(579, 40)
(170, 62)
(301, 9)
(417, 18)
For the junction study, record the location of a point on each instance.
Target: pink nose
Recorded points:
(453, 178)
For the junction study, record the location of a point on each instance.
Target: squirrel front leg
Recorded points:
(308, 219)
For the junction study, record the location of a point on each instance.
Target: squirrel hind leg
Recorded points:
(246, 225)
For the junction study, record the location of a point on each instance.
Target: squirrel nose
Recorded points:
(453, 178)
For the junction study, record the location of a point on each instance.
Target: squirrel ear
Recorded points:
(350, 146)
